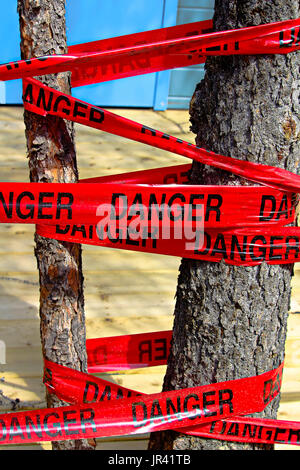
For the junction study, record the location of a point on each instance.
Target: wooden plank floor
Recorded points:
(125, 292)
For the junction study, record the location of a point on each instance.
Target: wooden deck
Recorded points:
(125, 292)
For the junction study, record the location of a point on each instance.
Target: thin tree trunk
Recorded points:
(230, 322)
(52, 159)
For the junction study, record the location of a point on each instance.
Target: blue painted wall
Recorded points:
(11, 91)
(89, 20)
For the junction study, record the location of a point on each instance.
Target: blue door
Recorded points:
(91, 20)
(11, 91)
(183, 81)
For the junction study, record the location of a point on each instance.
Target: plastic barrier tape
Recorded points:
(128, 351)
(92, 418)
(241, 247)
(139, 414)
(238, 247)
(272, 38)
(170, 58)
(121, 67)
(180, 220)
(254, 227)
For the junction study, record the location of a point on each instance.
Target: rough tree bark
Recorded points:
(52, 159)
(230, 322)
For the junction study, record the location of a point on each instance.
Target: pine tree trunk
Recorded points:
(230, 322)
(52, 159)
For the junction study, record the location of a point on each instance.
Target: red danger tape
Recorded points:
(100, 408)
(128, 351)
(100, 203)
(150, 349)
(180, 46)
(235, 246)
(141, 62)
(69, 212)
(241, 247)
(106, 409)
(200, 222)
(263, 431)
(139, 53)
(43, 100)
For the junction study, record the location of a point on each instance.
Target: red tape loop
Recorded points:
(176, 46)
(101, 408)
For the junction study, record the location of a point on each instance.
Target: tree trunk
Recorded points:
(230, 322)
(52, 159)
